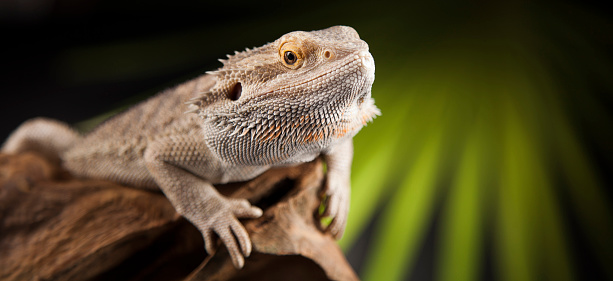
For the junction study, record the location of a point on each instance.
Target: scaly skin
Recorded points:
(287, 102)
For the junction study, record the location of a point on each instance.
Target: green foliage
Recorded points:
(478, 119)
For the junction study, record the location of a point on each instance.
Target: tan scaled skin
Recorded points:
(287, 102)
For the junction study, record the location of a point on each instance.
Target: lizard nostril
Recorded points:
(236, 91)
(328, 54)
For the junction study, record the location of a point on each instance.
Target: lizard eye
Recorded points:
(291, 55)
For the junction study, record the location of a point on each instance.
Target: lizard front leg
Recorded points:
(174, 163)
(338, 187)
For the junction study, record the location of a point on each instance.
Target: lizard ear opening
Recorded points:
(236, 91)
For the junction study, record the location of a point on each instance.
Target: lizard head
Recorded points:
(297, 96)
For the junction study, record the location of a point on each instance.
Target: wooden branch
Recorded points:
(56, 227)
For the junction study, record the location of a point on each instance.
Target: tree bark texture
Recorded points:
(56, 227)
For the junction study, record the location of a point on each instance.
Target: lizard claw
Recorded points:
(225, 224)
(337, 207)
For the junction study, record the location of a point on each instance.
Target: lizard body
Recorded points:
(304, 95)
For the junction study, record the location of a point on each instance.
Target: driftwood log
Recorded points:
(56, 227)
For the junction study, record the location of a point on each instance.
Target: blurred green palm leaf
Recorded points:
(478, 124)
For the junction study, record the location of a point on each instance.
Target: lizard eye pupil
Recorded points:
(290, 57)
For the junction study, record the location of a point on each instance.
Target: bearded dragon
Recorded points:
(304, 95)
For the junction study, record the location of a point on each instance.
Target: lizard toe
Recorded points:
(337, 208)
(208, 241)
(337, 226)
(243, 209)
(226, 235)
(243, 238)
